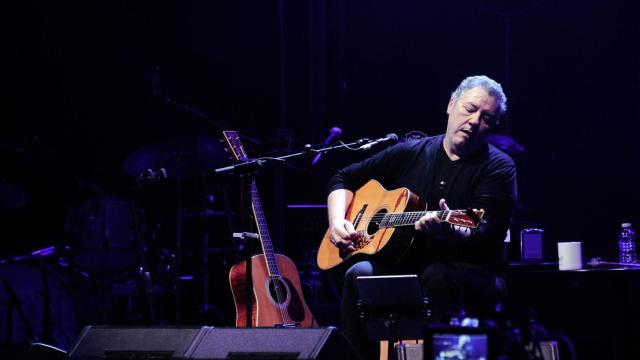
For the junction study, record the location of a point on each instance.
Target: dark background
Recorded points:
(89, 83)
(81, 79)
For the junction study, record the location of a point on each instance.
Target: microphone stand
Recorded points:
(247, 171)
(247, 214)
(258, 163)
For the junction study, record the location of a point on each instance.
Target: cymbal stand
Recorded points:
(47, 319)
(176, 281)
(206, 305)
(14, 302)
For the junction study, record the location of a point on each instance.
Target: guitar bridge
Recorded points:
(361, 240)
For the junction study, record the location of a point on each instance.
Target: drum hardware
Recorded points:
(50, 250)
(52, 302)
(14, 303)
(169, 165)
(183, 157)
(47, 319)
(148, 291)
(103, 234)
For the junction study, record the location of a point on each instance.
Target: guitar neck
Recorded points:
(235, 147)
(263, 231)
(456, 217)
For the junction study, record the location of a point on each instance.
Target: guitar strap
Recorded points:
(432, 150)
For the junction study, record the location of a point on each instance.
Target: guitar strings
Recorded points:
(276, 280)
(272, 264)
(410, 214)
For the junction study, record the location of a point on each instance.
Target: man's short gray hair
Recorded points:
(491, 86)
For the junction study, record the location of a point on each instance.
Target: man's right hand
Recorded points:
(342, 233)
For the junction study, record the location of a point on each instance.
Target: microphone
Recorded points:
(390, 138)
(334, 133)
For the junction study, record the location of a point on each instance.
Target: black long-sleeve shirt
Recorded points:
(485, 180)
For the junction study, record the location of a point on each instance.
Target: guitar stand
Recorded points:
(246, 235)
(287, 326)
(247, 205)
(246, 170)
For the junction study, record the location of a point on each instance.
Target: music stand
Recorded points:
(392, 307)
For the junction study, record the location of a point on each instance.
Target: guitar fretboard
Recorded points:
(263, 231)
(410, 217)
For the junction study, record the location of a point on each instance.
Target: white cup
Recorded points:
(570, 255)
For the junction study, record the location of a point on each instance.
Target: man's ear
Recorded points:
(452, 103)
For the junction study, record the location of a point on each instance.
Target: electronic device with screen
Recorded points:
(455, 342)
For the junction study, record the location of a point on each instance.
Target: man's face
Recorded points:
(471, 116)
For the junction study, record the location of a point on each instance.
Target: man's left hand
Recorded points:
(430, 223)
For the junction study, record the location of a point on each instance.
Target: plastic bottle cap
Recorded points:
(626, 225)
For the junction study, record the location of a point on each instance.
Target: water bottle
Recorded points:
(627, 243)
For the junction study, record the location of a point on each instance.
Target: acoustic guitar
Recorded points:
(384, 223)
(277, 295)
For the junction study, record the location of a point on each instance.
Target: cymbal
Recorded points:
(505, 143)
(184, 156)
(11, 196)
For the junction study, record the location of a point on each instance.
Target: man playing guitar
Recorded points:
(460, 267)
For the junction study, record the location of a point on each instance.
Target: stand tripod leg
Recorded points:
(14, 302)
(148, 290)
(47, 319)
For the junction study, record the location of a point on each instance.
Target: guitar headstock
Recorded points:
(467, 218)
(234, 145)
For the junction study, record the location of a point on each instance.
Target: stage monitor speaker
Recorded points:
(207, 343)
(274, 343)
(115, 343)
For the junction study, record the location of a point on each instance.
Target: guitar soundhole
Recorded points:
(278, 290)
(374, 224)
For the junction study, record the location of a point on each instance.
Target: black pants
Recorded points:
(452, 288)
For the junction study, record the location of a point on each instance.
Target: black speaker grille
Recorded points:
(207, 343)
(104, 342)
(272, 343)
